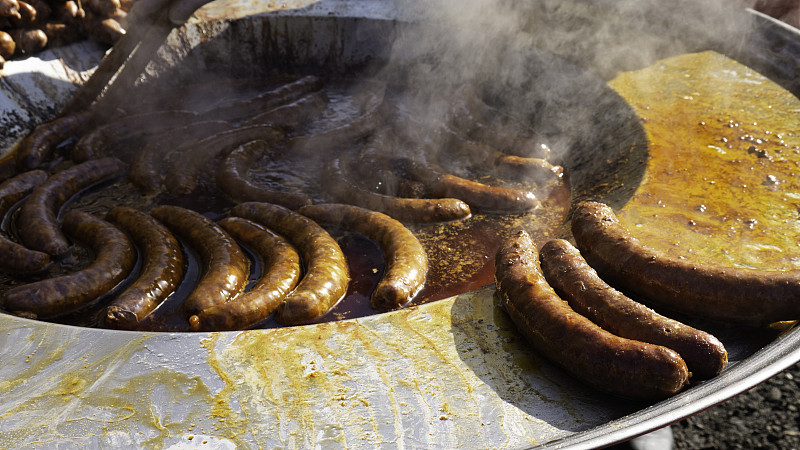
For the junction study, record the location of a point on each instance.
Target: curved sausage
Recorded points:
(115, 257)
(280, 273)
(577, 283)
(145, 171)
(162, 268)
(93, 144)
(747, 296)
(292, 115)
(37, 220)
(38, 146)
(190, 159)
(340, 186)
(326, 278)
(225, 266)
(404, 257)
(16, 257)
(233, 179)
(608, 362)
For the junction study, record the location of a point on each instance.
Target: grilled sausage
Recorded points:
(16, 257)
(280, 273)
(93, 144)
(746, 296)
(326, 278)
(339, 185)
(292, 115)
(268, 101)
(477, 195)
(37, 220)
(38, 146)
(404, 257)
(577, 283)
(114, 260)
(233, 179)
(190, 158)
(146, 170)
(162, 268)
(225, 266)
(605, 361)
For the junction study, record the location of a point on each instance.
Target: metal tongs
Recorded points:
(150, 22)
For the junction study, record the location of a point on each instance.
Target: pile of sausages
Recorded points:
(29, 26)
(168, 152)
(570, 315)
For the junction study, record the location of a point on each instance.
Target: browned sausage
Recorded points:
(18, 258)
(747, 296)
(29, 40)
(477, 195)
(114, 260)
(38, 146)
(37, 220)
(146, 170)
(162, 268)
(608, 362)
(93, 144)
(225, 266)
(577, 283)
(233, 179)
(404, 257)
(186, 166)
(7, 45)
(292, 115)
(326, 278)
(267, 101)
(340, 186)
(280, 273)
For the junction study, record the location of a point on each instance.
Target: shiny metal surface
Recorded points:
(449, 374)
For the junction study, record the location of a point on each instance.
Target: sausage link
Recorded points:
(38, 146)
(605, 361)
(326, 278)
(115, 257)
(577, 283)
(38, 216)
(16, 257)
(146, 170)
(292, 115)
(746, 296)
(280, 273)
(162, 271)
(190, 158)
(93, 144)
(404, 257)
(225, 266)
(341, 187)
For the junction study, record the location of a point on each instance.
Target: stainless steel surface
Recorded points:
(453, 373)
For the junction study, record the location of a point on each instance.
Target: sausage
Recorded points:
(37, 220)
(745, 296)
(115, 257)
(270, 100)
(603, 360)
(163, 268)
(326, 278)
(225, 266)
(340, 186)
(146, 170)
(477, 195)
(577, 283)
(38, 146)
(190, 158)
(292, 115)
(29, 40)
(7, 45)
(233, 179)
(16, 257)
(280, 273)
(404, 257)
(93, 144)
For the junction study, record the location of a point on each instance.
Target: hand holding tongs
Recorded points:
(151, 21)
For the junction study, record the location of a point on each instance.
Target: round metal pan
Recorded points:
(452, 373)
